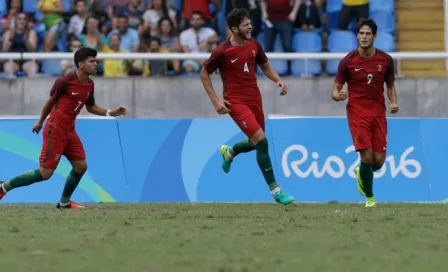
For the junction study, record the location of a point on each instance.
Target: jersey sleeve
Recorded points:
(215, 60)
(261, 57)
(342, 73)
(390, 73)
(91, 99)
(59, 88)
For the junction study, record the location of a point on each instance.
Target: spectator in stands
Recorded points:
(55, 26)
(129, 37)
(144, 67)
(253, 6)
(169, 43)
(78, 20)
(157, 10)
(353, 9)
(114, 67)
(197, 39)
(156, 67)
(91, 35)
(133, 13)
(112, 6)
(98, 9)
(308, 16)
(8, 20)
(20, 39)
(191, 6)
(68, 65)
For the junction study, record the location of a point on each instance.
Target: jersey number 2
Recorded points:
(79, 104)
(246, 68)
(369, 78)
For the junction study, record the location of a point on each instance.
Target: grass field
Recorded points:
(224, 237)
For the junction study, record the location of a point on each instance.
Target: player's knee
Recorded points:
(46, 173)
(257, 137)
(378, 160)
(80, 168)
(367, 156)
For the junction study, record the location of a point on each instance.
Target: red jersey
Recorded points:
(70, 96)
(237, 66)
(278, 10)
(365, 78)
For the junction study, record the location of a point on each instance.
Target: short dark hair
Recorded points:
(77, 1)
(123, 16)
(236, 16)
(367, 22)
(82, 54)
(155, 39)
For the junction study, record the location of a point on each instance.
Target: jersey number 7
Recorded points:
(79, 104)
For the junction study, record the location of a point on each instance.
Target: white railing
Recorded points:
(203, 56)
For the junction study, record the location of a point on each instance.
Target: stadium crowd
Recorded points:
(113, 26)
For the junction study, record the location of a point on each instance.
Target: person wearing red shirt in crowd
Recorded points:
(202, 6)
(67, 97)
(365, 70)
(237, 59)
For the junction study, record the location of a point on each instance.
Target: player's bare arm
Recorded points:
(43, 115)
(97, 110)
(392, 95)
(219, 104)
(338, 94)
(270, 72)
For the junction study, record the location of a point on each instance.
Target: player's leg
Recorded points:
(74, 152)
(257, 137)
(360, 129)
(379, 142)
(49, 160)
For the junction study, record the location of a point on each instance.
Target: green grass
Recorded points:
(224, 237)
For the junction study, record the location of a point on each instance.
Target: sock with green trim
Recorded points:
(71, 183)
(24, 179)
(264, 162)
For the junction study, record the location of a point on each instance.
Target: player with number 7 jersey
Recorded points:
(67, 97)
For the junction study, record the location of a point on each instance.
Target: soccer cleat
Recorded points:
(283, 198)
(71, 205)
(2, 193)
(358, 178)
(370, 202)
(226, 161)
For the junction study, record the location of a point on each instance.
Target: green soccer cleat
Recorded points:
(226, 161)
(358, 178)
(283, 198)
(370, 202)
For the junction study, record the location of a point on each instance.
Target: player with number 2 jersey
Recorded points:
(366, 70)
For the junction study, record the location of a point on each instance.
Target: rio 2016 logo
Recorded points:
(335, 167)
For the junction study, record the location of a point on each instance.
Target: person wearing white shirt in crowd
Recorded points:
(197, 39)
(78, 20)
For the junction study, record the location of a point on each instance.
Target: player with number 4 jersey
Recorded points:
(67, 97)
(237, 59)
(366, 70)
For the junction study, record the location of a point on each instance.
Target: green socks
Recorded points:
(366, 173)
(24, 179)
(242, 146)
(264, 162)
(71, 183)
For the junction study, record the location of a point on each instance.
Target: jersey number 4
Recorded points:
(246, 68)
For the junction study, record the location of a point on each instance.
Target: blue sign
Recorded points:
(178, 160)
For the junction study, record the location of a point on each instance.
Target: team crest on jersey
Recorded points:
(380, 67)
(253, 53)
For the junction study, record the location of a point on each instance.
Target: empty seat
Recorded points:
(340, 41)
(303, 42)
(385, 42)
(51, 67)
(281, 66)
(29, 6)
(385, 21)
(382, 5)
(334, 5)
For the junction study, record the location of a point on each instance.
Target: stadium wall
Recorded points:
(177, 160)
(184, 97)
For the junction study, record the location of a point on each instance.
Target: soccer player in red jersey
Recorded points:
(365, 70)
(67, 97)
(237, 59)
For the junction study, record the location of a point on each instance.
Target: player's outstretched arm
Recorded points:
(43, 115)
(220, 105)
(392, 95)
(270, 72)
(97, 110)
(338, 94)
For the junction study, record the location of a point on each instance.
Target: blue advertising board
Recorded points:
(178, 160)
